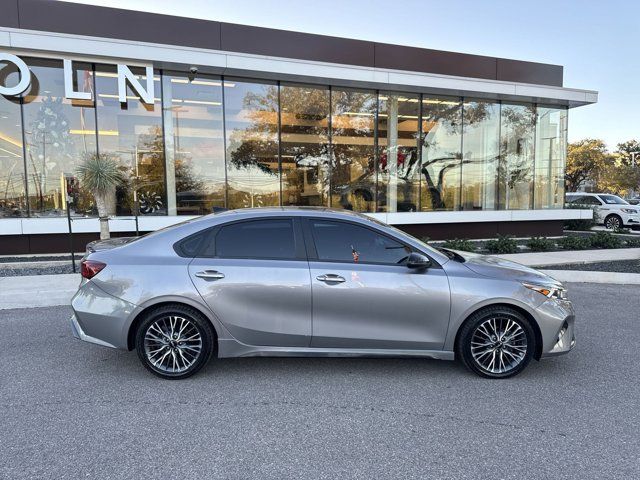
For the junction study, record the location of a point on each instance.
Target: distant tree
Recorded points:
(624, 150)
(586, 159)
(617, 176)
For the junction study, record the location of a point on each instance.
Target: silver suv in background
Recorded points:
(313, 282)
(610, 210)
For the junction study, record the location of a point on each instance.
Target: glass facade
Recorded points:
(208, 142)
(58, 134)
(441, 147)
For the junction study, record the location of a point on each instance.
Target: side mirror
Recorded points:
(418, 261)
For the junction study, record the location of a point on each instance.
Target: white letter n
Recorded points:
(125, 74)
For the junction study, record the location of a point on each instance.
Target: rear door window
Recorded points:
(267, 239)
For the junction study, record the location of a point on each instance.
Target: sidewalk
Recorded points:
(37, 290)
(573, 256)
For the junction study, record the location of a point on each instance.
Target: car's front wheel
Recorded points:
(613, 222)
(497, 342)
(174, 341)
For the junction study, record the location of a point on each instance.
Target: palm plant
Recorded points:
(100, 174)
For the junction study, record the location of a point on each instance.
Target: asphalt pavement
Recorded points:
(71, 410)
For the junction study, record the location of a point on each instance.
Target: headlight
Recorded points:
(549, 291)
(629, 210)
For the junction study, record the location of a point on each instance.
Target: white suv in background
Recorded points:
(610, 210)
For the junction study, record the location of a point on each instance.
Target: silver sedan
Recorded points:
(313, 282)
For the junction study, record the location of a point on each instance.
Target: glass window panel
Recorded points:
(13, 198)
(304, 144)
(480, 140)
(352, 172)
(398, 162)
(515, 170)
(346, 242)
(551, 151)
(194, 143)
(441, 153)
(251, 120)
(59, 134)
(132, 133)
(257, 239)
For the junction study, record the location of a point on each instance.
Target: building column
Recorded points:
(392, 153)
(169, 150)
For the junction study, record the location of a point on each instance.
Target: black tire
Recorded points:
(197, 323)
(613, 222)
(472, 325)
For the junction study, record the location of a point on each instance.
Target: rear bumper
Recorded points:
(100, 318)
(80, 335)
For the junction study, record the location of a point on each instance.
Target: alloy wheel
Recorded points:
(172, 344)
(498, 345)
(613, 223)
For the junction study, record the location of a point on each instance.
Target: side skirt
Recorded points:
(228, 348)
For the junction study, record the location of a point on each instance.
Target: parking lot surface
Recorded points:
(73, 410)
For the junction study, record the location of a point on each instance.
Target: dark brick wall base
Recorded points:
(49, 242)
(444, 231)
(59, 242)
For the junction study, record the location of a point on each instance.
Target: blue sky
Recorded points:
(597, 42)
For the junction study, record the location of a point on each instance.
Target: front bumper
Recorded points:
(632, 220)
(565, 340)
(556, 319)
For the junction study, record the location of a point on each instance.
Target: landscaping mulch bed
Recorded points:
(36, 269)
(621, 266)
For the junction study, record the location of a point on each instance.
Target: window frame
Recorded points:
(312, 252)
(209, 243)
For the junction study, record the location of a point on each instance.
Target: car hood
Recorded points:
(496, 267)
(101, 245)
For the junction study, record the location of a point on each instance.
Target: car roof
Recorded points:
(285, 211)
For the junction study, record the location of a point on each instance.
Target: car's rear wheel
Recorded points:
(174, 341)
(613, 222)
(497, 342)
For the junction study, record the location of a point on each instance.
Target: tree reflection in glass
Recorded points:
(515, 168)
(353, 177)
(251, 120)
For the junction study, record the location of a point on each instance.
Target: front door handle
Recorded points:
(330, 278)
(210, 275)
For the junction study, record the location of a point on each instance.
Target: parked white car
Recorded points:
(611, 210)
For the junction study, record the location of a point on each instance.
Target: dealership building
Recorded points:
(203, 115)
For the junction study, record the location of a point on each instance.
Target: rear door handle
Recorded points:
(210, 275)
(330, 278)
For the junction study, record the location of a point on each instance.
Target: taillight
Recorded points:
(90, 268)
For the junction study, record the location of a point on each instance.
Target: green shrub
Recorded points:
(605, 240)
(540, 244)
(462, 244)
(502, 244)
(633, 242)
(580, 225)
(621, 230)
(574, 242)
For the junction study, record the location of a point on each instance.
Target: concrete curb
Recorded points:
(37, 290)
(581, 276)
(573, 256)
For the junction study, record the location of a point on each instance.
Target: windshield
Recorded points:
(613, 200)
